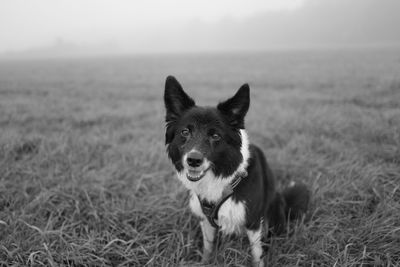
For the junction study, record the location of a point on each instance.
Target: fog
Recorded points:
(59, 28)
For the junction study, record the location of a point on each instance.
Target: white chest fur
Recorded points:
(231, 215)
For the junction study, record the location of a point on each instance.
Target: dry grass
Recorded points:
(85, 181)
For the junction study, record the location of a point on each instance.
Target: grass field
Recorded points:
(85, 180)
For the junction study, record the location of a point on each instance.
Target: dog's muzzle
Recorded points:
(194, 161)
(195, 176)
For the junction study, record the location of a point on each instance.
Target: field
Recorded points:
(85, 180)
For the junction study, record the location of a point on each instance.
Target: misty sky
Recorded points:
(194, 25)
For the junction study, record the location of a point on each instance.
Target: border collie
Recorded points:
(232, 189)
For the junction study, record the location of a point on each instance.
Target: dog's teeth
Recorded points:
(195, 175)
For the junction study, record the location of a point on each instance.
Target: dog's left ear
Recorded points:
(236, 107)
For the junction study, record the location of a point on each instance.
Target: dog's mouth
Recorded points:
(196, 175)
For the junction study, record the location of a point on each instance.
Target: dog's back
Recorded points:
(263, 200)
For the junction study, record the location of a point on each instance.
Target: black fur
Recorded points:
(258, 189)
(236, 107)
(203, 123)
(176, 103)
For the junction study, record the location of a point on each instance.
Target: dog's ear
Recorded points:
(176, 102)
(175, 99)
(236, 107)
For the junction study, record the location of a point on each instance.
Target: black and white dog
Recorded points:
(232, 188)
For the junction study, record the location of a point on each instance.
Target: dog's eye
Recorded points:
(215, 137)
(185, 132)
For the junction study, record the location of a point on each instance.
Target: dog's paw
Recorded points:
(206, 257)
(260, 263)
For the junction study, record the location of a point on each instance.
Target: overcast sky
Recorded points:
(194, 25)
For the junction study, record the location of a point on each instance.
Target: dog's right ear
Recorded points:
(175, 99)
(176, 102)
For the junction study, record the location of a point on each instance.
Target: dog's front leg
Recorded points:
(255, 238)
(208, 238)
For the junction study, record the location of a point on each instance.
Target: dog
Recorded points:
(232, 188)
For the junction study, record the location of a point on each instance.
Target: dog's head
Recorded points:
(205, 139)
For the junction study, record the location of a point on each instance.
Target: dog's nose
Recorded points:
(195, 159)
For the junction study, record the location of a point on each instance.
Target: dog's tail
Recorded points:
(297, 198)
(291, 204)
